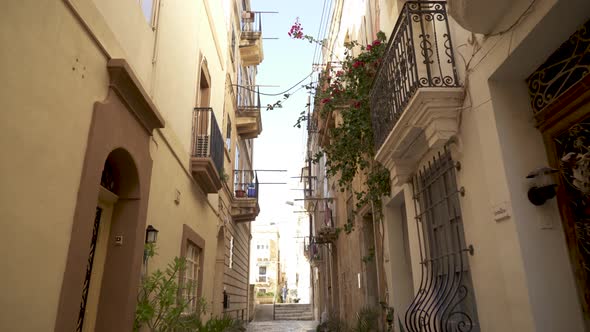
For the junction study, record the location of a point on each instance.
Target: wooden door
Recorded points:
(566, 131)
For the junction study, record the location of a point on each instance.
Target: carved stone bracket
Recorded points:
(429, 121)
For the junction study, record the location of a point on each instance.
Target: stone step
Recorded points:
(293, 312)
(303, 314)
(295, 318)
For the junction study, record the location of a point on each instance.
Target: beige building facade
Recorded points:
(266, 268)
(473, 101)
(133, 109)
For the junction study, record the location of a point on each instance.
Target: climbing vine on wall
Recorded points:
(343, 94)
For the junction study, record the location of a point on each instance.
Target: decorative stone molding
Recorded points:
(429, 121)
(128, 87)
(244, 209)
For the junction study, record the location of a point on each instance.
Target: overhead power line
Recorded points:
(279, 93)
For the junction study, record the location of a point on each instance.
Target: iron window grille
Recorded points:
(445, 300)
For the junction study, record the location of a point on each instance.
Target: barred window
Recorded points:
(445, 300)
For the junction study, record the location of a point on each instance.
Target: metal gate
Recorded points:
(86, 287)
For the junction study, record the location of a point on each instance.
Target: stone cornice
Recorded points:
(128, 87)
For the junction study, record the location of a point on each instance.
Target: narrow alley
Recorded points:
(278, 166)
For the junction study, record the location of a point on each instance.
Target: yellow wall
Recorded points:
(52, 74)
(132, 32)
(54, 70)
(168, 217)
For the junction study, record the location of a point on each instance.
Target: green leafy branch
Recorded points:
(343, 95)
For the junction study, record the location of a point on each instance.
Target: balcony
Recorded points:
(244, 206)
(251, 39)
(207, 150)
(326, 234)
(249, 121)
(416, 95)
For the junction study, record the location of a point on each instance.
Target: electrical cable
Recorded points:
(319, 31)
(275, 94)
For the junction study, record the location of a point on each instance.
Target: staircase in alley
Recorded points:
(293, 311)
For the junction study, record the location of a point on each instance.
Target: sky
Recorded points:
(281, 146)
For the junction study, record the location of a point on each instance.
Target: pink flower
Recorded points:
(326, 100)
(356, 104)
(296, 30)
(339, 73)
(376, 42)
(369, 47)
(357, 64)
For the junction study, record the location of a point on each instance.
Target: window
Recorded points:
(444, 253)
(228, 134)
(147, 8)
(191, 276)
(190, 279)
(262, 274)
(233, 42)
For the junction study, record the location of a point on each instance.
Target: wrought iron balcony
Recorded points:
(207, 150)
(251, 39)
(419, 58)
(249, 121)
(245, 206)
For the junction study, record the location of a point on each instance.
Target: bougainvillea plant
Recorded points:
(343, 91)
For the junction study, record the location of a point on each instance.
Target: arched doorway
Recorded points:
(119, 137)
(118, 179)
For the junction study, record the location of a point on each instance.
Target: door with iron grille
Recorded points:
(560, 100)
(445, 300)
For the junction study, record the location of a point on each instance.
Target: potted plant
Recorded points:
(240, 193)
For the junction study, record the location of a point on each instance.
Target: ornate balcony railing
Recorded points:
(419, 55)
(246, 183)
(248, 98)
(251, 39)
(208, 142)
(249, 121)
(251, 25)
(245, 206)
(207, 149)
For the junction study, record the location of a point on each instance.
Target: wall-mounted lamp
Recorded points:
(542, 185)
(151, 234)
